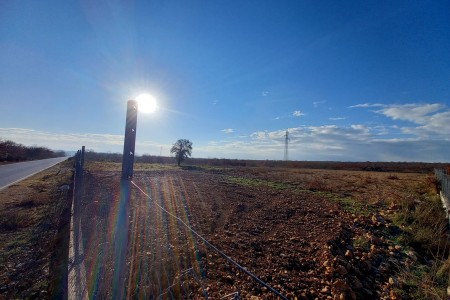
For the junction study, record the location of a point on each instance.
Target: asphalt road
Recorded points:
(12, 173)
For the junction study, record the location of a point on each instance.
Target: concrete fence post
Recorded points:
(82, 156)
(130, 140)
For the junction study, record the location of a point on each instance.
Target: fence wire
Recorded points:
(229, 259)
(444, 181)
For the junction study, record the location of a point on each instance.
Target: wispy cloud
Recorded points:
(260, 135)
(317, 103)
(337, 118)
(428, 120)
(416, 113)
(365, 105)
(265, 93)
(228, 130)
(297, 113)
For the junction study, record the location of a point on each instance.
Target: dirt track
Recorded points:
(287, 229)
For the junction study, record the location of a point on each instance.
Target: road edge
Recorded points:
(23, 178)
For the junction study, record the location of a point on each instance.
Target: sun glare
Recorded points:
(146, 103)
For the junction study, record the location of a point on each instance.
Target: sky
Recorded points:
(349, 80)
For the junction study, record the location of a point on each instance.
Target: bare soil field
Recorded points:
(310, 234)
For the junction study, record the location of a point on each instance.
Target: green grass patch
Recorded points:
(361, 242)
(425, 225)
(108, 166)
(426, 281)
(349, 204)
(255, 182)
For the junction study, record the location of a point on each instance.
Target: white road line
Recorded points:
(18, 180)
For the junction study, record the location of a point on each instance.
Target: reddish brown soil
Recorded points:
(287, 227)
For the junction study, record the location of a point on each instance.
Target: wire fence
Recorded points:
(190, 272)
(218, 251)
(444, 181)
(444, 188)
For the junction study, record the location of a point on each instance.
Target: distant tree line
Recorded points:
(414, 167)
(13, 152)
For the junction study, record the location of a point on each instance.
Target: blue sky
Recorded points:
(351, 80)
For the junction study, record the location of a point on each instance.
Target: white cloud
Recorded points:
(428, 120)
(365, 105)
(416, 113)
(337, 118)
(307, 142)
(426, 138)
(264, 93)
(260, 135)
(297, 113)
(73, 141)
(228, 130)
(356, 142)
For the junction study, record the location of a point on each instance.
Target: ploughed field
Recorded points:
(307, 233)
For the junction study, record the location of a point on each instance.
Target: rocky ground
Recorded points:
(309, 234)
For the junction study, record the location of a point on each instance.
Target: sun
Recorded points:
(146, 103)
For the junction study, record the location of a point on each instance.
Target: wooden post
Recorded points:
(130, 140)
(121, 226)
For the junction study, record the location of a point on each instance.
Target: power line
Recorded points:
(214, 247)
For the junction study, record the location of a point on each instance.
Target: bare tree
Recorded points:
(182, 149)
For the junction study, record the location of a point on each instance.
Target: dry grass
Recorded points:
(29, 217)
(115, 166)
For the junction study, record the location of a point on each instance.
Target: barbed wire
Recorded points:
(221, 253)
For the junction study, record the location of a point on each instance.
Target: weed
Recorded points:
(426, 281)
(368, 180)
(425, 230)
(11, 221)
(349, 204)
(361, 242)
(253, 182)
(356, 207)
(317, 185)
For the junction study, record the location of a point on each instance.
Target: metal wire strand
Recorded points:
(243, 269)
